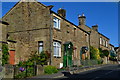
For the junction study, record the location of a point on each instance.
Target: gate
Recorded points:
(24, 71)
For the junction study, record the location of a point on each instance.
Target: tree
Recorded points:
(37, 58)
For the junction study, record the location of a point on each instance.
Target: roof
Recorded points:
(17, 4)
(3, 42)
(70, 22)
(112, 45)
(68, 42)
(103, 35)
(116, 48)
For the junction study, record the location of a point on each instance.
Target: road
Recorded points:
(111, 72)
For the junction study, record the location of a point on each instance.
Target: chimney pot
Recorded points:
(62, 12)
(82, 19)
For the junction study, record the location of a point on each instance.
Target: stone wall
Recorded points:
(94, 39)
(104, 46)
(0, 43)
(29, 23)
(69, 32)
(3, 35)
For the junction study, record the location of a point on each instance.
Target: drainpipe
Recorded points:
(89, 45)
(51, 35)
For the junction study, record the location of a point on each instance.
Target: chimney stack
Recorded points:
(62, 12)
(95, 27)
(28, 0)
(82, 19)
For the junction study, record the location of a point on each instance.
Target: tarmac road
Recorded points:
(111, 72)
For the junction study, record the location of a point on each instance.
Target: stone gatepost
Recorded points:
(40, 70)
(9, 71)
(0, 53)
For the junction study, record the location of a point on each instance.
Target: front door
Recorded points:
(67, 57)
(12, 57)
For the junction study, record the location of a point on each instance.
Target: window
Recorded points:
(56, 22)
(75, 53)
(106, 44)
(100, 40)
(40, 46)
(87, 37)
(74, 31)
(57, 49)
(103, 42)
(112, 48)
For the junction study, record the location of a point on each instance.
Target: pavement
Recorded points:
(1, 72)
(74, 70)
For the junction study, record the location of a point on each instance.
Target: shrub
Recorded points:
(50, 69)
(81, 66)
(38, 58)
(101, 53)
(105, 52)
(43, 58)
(5, 54)
(98, 54)
(94, 53)
(100, 61)
(21, 75)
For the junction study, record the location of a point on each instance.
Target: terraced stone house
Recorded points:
(97, 39)
(34, 27)
(3, 35)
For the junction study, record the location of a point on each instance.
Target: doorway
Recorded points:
(12, 57)
(67, 57)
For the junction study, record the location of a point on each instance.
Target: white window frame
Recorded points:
(57, 21)
(57, 46)
(40, 45)
(103, 42)
(106, 43)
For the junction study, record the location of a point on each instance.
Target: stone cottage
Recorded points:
(97, 39)
(33, 27)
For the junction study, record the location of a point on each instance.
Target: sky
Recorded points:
(105, 14)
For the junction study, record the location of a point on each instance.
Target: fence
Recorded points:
(24, 71)
(14, 71)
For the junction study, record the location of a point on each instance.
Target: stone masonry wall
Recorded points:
(69, 32)
(94, 39)
(2, 38)
(103, 46)
(29, 23)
